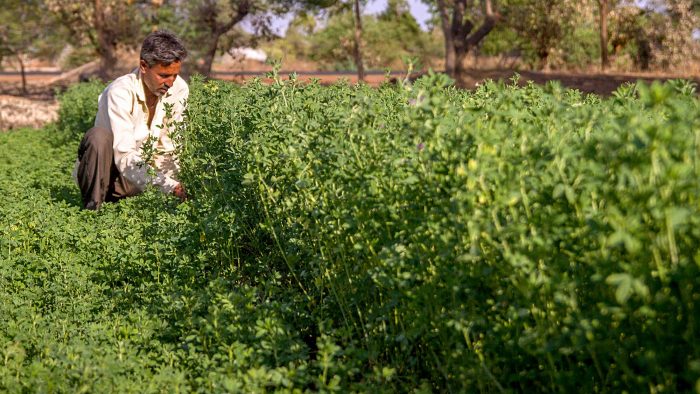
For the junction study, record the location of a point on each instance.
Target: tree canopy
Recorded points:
(625, 35)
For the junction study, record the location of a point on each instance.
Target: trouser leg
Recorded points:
(119, 187)
(98, 176)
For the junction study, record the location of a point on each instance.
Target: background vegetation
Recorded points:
(333, 34)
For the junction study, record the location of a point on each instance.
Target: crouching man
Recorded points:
(131, 119)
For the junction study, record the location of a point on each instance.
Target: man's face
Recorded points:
(159, 78)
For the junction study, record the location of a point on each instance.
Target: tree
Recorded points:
(632, 34)
(334, 44)
(603, 12)
(108, 24)
(103, 24)
(336, 7)
(213, 19)
(458, 19)
(358, 41)
(604, 8)
(214, 22)
(546, 24)
(296, 44)
(388, 39)
(660, 33)
(398, 36)
(677, 43)
(23, 24)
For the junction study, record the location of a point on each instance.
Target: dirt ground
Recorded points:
(597, 83)
(20, 111)
(39, 106)
(601, 84)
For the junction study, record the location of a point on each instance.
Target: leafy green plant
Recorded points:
(462, 239)
(414, 237)
(78, 106)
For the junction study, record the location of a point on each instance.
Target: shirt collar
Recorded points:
(140, 94)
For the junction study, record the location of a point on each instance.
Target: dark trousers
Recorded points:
(98, 176)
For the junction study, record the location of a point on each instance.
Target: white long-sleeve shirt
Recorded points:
(122, 109)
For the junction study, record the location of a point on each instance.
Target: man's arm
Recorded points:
(127, 134)
(179, 102)
(179, 192)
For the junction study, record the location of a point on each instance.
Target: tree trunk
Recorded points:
(205, 68)
(459, 35)
(207, 13)
(358, 43)
(108, 59)
(449, 39)
(461, 53)
(106, 41)
(24, 74)
(604, 61)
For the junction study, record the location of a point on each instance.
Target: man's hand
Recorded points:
(179, 192)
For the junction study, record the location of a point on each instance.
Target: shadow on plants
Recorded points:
(66, 194)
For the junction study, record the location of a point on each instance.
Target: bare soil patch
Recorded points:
(16, 112)
(597, 83)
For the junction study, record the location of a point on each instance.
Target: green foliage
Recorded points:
(333, 46)
(387, 41)
(524, 239)
(76, 114)
(396, 35)
(22, 29)
(630, 37)
(411, 237)
(544, 26)
(502, 39)
(581, 47)
(295, 45)
(126, 299)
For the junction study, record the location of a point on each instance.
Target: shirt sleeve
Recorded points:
(127, 139)
(180, 103)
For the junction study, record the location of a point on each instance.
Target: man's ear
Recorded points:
(143, 66)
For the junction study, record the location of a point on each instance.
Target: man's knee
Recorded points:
(98, 139)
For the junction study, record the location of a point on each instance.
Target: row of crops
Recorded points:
(410, 238)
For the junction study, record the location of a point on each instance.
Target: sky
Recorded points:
(418, 9)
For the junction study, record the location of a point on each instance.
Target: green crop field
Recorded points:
(409, 238)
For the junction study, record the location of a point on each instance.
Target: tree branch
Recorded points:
(242, 11)
(492, 17)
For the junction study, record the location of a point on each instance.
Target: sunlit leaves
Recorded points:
(357, 239)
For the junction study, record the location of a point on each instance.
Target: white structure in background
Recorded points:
(247, 54)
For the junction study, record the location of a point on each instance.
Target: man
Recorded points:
(131, 120)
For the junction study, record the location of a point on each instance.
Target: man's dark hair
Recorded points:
(162, 47)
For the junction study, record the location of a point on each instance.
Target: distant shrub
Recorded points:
(79, 107)
(582, 47)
